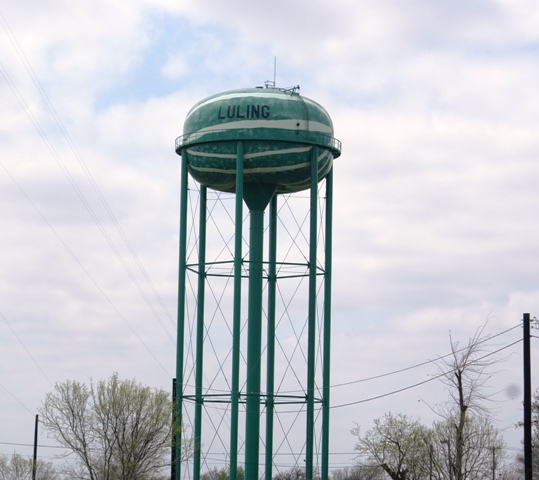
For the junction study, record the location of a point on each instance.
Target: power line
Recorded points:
(92, 279)
(82, 163)
(426, 362)
(405, 369)
(78, 191)
(16, 399)
(26, 349)
(73, 183)
(409, 387)
(31, 445)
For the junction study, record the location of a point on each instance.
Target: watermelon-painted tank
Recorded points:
(279, 129)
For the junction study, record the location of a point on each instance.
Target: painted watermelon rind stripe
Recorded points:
(289, 124)
(232, 171)
(247, 156)
(262, 134)
(282, 168)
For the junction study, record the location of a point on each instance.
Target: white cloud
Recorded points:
(176, 67)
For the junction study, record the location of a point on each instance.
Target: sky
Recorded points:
(435, 206)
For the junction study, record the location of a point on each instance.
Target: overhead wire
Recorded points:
(92, 279)
(86, 170)
(26, 349)
(16, 399)
(498, 350)
(426, 362)
(40, 130)
(409, 387)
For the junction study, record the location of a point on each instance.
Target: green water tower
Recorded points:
(257, 144)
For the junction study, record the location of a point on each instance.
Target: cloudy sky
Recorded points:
(436, 192)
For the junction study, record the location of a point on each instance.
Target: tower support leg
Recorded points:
(236, 321)
(270, 376)
(199, 362)
(254, 339)
(311, 335)
(327, 327)
(181, 321)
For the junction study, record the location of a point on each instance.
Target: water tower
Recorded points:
(254, 310)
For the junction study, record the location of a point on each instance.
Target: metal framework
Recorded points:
(243, 403)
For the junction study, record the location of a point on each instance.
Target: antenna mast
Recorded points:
(269, 83)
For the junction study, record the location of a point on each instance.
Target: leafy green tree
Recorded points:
(21, 468)
(396, 444)
(118, 429)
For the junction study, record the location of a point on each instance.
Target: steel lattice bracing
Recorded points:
(293, 332)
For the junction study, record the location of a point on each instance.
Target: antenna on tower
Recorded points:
(269, 83)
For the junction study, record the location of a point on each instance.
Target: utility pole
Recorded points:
(493, 463)
(527, 400)
(34, 464)
(449, 462)
(174, 426)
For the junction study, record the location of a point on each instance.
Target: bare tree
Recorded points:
(465, 373)
(512, 470)
(118, 429)
(482, 450)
